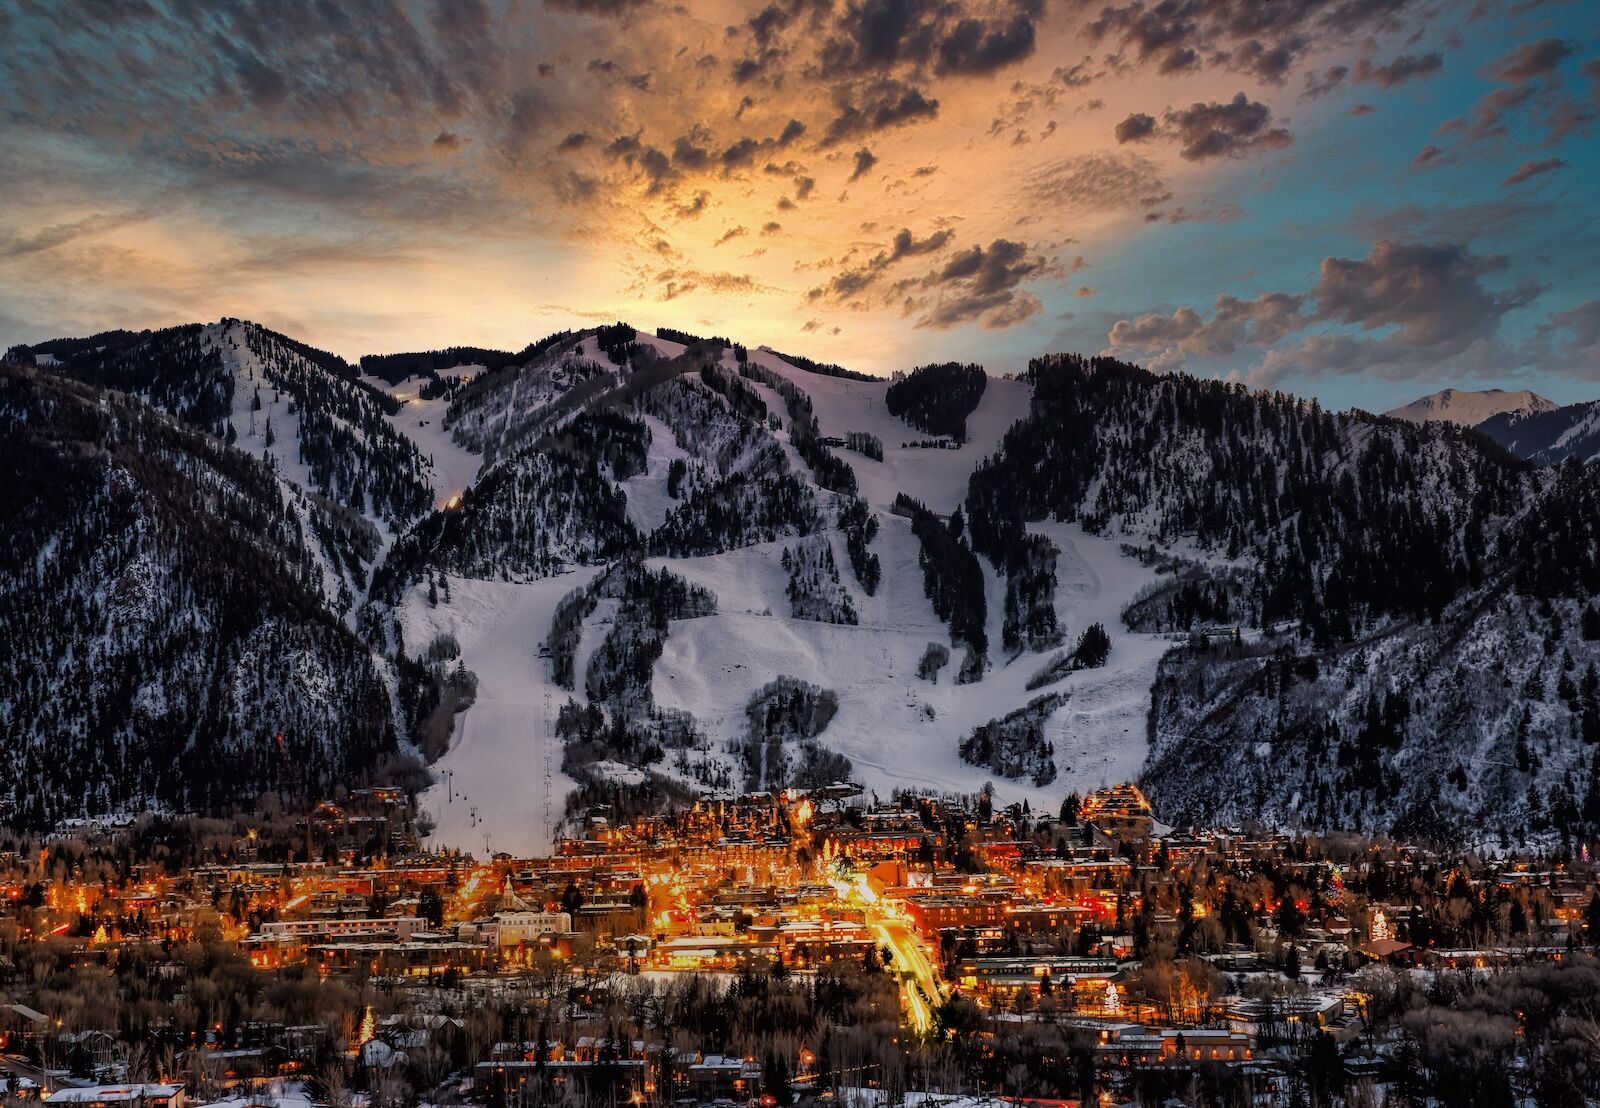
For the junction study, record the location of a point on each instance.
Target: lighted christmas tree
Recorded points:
(1113, 999)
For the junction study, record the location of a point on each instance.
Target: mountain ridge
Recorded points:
(846, 559)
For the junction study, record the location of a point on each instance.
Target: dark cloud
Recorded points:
(741, 153)
(745, 151)
(907, 245)
(1234, 322)
(1426, 302)
(771, 227)
(1403, 68)
(575, 140)
(982, 284)
(1530, 72)
(1531, 169)
(1362, 109)
(696, 205)
(689, 155)
(878, 106)
(60, 234)
(765, 24)
(1530, 61)
(1177, 60)
(653, 163)
(1431, 294)
(1234, 129)
(850, 282)
(1580, 327)
(448, 142)
(864, 161)
(673, 283)
(1322, 84)
(1137, 126)
(878, 36)
(610, 9)
(746, 70)
(1270, 64)
(1264, 40)
(1487, 119)
(730, 234)
(973, 46)
(1074, 76)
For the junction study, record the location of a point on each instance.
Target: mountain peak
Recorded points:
(1470, 407)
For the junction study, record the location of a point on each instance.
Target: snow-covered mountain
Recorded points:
(1471, 407)
(166, 639)
(626, 569)
(1549, 437)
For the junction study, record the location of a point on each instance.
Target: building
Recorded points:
(121, 1096)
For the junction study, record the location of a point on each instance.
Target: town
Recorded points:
(801, 947)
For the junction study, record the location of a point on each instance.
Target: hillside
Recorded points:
(627, 569)
(1423, 595)
(164, 639)
(1549, 437)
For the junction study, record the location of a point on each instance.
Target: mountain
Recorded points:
(1549, 437)
(165, 639)
(301, 411)
(1470, 408)
(1369, 606)
(628, 569)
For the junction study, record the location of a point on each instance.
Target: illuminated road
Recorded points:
(920, 986)
(919, 979)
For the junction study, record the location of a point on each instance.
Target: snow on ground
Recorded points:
(898, 730)
(648, 502)
(451, 467)
(275, 420)
(271, 433)
(1101, 734)
(938, 478)
(500, 785)
(664, 347)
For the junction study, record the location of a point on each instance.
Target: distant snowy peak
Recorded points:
(1470, 408)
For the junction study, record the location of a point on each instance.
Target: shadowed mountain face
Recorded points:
(1548, 437)
(164, 635)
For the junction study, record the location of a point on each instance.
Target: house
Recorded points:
(93, 1052)
(121, 1096)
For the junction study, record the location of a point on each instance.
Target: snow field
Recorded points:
(500, 785)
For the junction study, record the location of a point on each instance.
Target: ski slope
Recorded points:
(898, 730)
(499, 787)
(451, 467)
(938, 478)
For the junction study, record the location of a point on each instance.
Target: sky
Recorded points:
(1357, 200)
